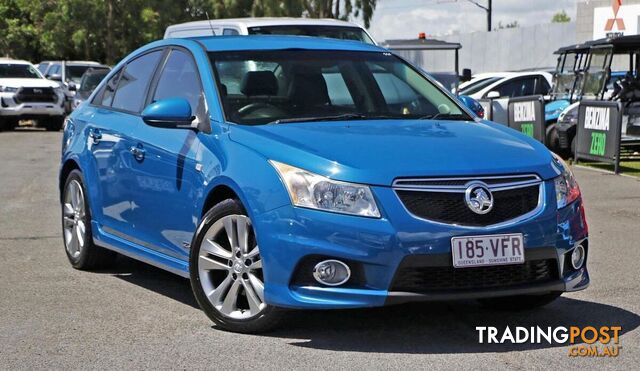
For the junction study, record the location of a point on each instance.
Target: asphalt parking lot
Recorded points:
(137, 316)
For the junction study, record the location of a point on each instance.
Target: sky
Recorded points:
(402, 19)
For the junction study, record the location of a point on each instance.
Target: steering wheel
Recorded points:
(269, 109)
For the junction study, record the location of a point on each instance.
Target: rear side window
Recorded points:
(132, 86)
(105, 96)
(179, 78)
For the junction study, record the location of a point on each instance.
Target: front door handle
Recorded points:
(95, 135)
(137, 152)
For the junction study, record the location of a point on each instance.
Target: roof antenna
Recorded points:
(210, 24)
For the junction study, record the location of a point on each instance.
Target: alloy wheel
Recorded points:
(74, 219)
(230, 268)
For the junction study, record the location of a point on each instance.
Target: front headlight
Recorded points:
(314, 191)
(8, 89)
(567, 189)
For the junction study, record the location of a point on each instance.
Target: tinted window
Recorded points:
(475, 86)
(542, 87)
(105, 96)
(230, 31)
(74, 73)
(179, 78)
(43, 67)
(54, 70)
(20, 71)
(260, 87)
(133, 83)
(517, 88)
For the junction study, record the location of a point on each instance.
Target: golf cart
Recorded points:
(599, 84)
(413, 50)
(566, 79)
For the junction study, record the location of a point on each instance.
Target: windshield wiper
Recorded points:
(447, 116)
(345, 116)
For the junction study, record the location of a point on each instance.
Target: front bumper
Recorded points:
(27, 110)
(376, 249)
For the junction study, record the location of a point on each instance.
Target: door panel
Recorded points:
(167, 184)
(166, 188)
(109, 139)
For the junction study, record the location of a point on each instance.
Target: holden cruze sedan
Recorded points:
(296, 172)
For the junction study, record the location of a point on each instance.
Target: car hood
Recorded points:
(378, 151)
(29, 83)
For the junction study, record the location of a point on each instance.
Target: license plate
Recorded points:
(499, 249)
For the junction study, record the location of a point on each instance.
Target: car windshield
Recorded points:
(91, 79)
(18, 71)
(333, 32)
(476, 86)
(260, 87)
(74, 73)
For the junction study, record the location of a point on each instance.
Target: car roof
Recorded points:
(263, 21)
(77, 63)
(13, 61)
(271, 42)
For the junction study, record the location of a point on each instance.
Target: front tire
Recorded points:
(226, 271)
(76, 227)
(520, 302)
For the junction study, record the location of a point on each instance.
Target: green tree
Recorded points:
(107, 30)
(560, 17)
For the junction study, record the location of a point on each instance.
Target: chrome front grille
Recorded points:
(442, 200)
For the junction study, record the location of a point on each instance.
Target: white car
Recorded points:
(26, 94)
(331, 28)
(499, 87)
(508, 84)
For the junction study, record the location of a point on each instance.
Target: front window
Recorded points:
(260, 87)
(475, 86)
(596, 75)
(18, 71)
(332, 32)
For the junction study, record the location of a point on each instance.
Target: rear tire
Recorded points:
(53, 123)
(226, 271)
(520, 302)
(76, 227)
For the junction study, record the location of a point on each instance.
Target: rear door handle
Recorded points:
(138, 152)
(95, 135)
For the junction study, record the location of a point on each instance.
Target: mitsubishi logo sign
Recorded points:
(615, 20)
(619, 22)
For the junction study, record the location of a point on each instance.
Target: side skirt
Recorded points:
(138, 252)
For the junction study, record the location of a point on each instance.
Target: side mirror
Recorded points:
(466, 75)
(55, 77)
(472, 104)
(72, 86)
(171, 113)
(493, 95)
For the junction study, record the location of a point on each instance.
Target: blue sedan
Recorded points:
(293, 172)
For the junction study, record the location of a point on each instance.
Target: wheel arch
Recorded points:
(218, 193)
(66, 169)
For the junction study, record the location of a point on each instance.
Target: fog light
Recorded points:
(577, 257)
(331, 272)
